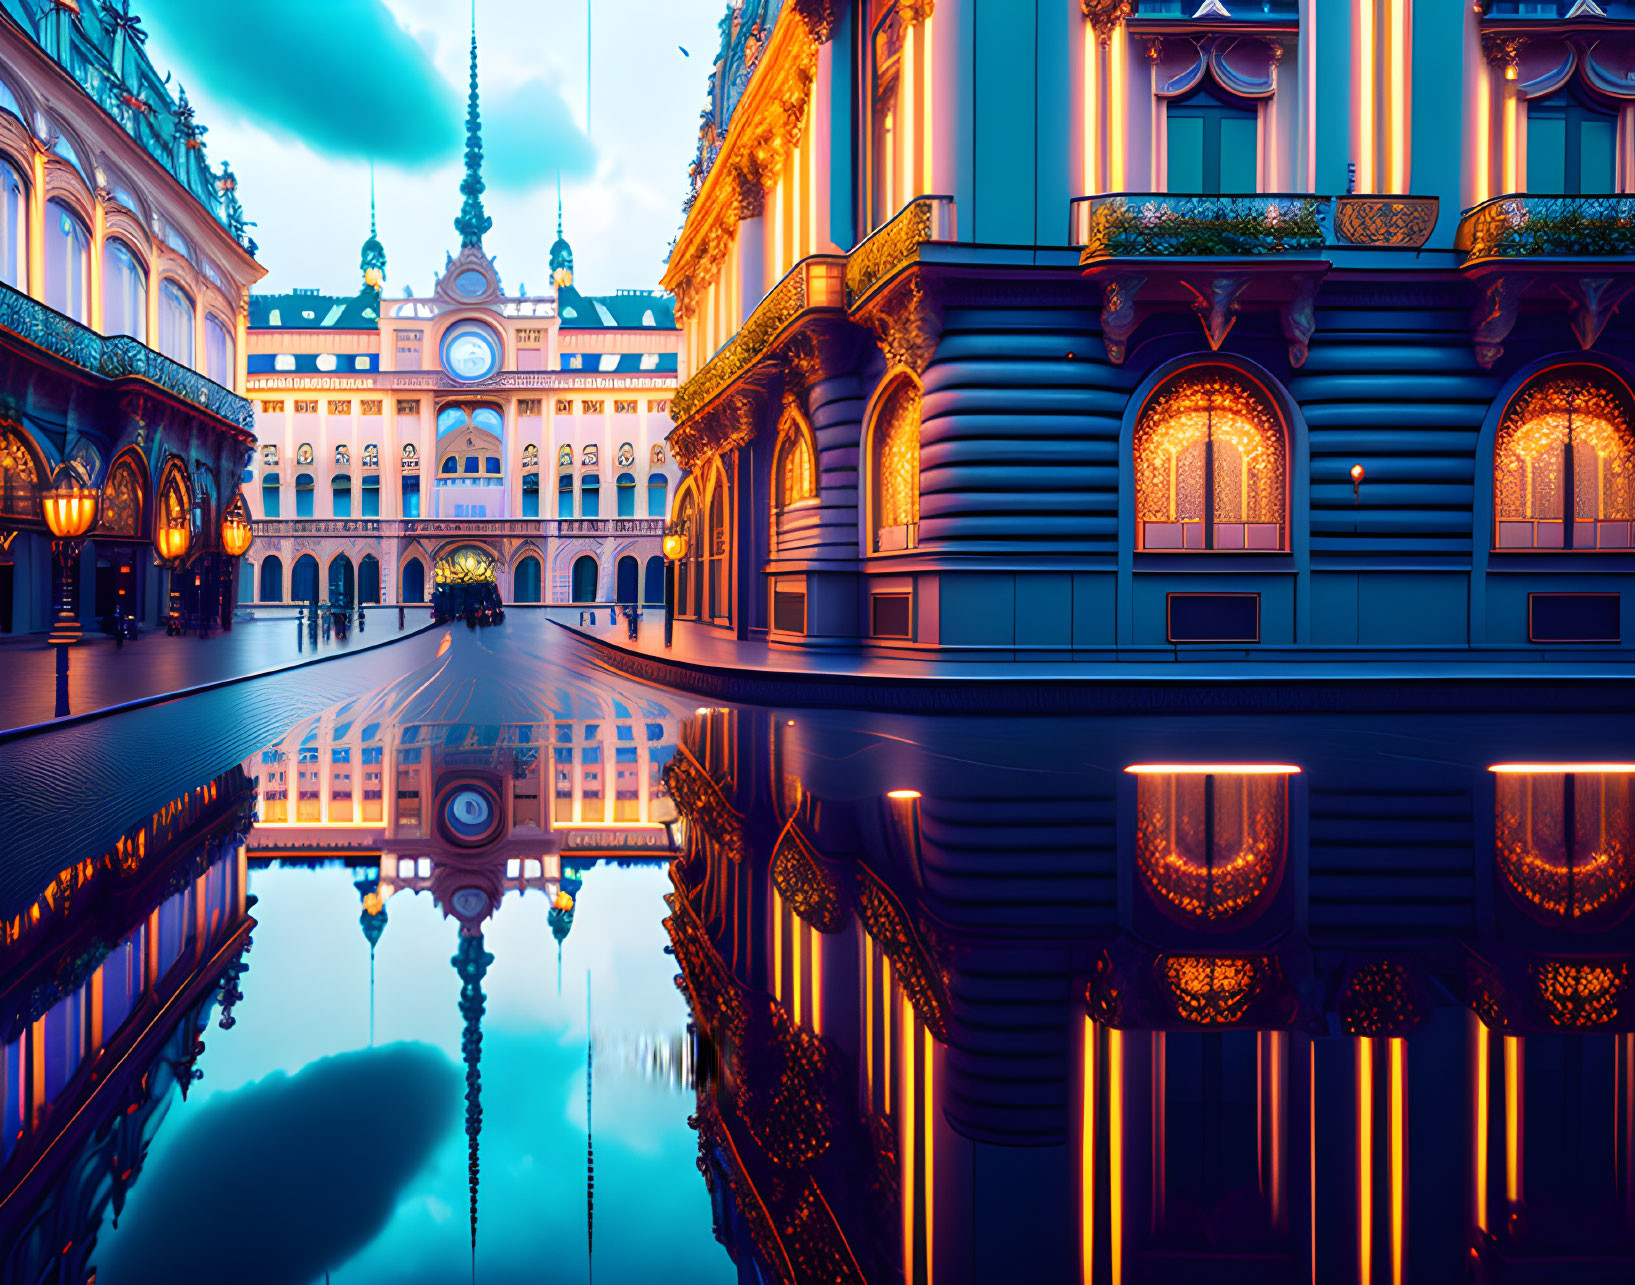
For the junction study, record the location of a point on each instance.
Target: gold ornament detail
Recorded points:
(1215, 990)
(804, 882)
(1580, 995)
(699, 799)
(1385, 220)
(907, 949)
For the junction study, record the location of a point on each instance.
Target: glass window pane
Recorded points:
(67, 263)
(1240, 147)
(1546, 154)
(175, 324)
(1186, 154)
(13, 228)
(124, 294)
(1597, 153)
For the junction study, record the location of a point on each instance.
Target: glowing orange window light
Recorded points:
(1213, 769)
(1543, 769)
(902, 794)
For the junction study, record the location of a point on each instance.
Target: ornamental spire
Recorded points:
(473, 222)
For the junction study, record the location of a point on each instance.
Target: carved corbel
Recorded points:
(1503, 50)
(816, 352)
(819, 16)
(1300, 319)
(1118, 314)
(1104, 16)
(914, 12)
(1592, 301)
(751, 192)
(1494, 316)
(907, 320)
(1217, 307)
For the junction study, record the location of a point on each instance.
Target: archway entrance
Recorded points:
(628, 590)
(466, 581)
(304, 579)
(584, 578)
(342, 582)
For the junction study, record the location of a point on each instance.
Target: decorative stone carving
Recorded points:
(1104, 16)
(1591, 302)
(1217, 306)
(1300, 320)
(907, 320)
(1494, 316)
(1118, 314)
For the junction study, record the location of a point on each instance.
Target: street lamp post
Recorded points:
(70, 506)
(675, 547)
(236, 537)
(172, 537)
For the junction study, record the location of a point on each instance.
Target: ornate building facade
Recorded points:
(513, 437)
(1129, 326)
(124, 270)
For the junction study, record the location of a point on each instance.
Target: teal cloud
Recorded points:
(529, 135)
(343, 78)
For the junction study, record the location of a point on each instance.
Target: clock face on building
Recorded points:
(470, 353)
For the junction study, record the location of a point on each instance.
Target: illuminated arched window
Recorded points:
(894, 469)
(1565, 446)
(1563, 843)
(793, 471)
(1210, 468)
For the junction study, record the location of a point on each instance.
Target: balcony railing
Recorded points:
(391, 528)
(1521, 226)
(118, 357)
(1166, 224)
(818, 282)
(921, 221)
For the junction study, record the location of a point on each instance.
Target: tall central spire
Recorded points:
(473, 221)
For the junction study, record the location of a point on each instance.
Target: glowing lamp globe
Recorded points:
(172, 537)
(674, 547)
(562, 901)
(70, 505)
(235, 533)
(1356, 473)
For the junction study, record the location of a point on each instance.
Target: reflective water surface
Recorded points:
(493, 965)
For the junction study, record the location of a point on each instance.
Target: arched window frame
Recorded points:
(796, 450)
(14, 219)
(896, 403)
(137, 328)
(68, 284)
(1605, 398)
(717, 546)
(690, 525)
(1260, 408)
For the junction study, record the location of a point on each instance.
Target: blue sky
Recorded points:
(300, 95)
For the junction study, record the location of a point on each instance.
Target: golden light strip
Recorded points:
(1398, 71)
(888, 1017)
(1087, 1150)
(777, 945)
(1397, 1052)
(817, 981)
(1277, 1041)
(928, 109)
(796, 941)
(1115, 1147)
(868, 1016)
(1115, 111)
(1090, 117)
(1365, 1160)
(1364, 72)
(1512, 1120)
(906, 1142)
(1482, 152)
(1558, 769)
(1511, 142)
(1212, 769)
(908, 89)
(1479, 1096)
(929, 1128)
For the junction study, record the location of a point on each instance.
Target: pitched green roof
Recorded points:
(626, 310)
(302, 311)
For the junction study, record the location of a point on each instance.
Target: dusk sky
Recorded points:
(300, 95)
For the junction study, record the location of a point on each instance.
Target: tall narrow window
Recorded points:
(218, 352)
(717, 546)
(175, 323)
(894, 471)
(124, 293)
(658, 487)
(687, 520)
(1209, 466)
(794, 474)
(626, 493)
(13, 229)
(1565, 447)
(886, 136)
(67, 263)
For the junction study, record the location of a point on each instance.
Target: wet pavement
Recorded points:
(470, 958)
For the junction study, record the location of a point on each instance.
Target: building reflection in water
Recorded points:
(110, 979)
(1350, 1003)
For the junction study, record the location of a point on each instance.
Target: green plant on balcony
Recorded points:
(1203, 226)
(1521, 226)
